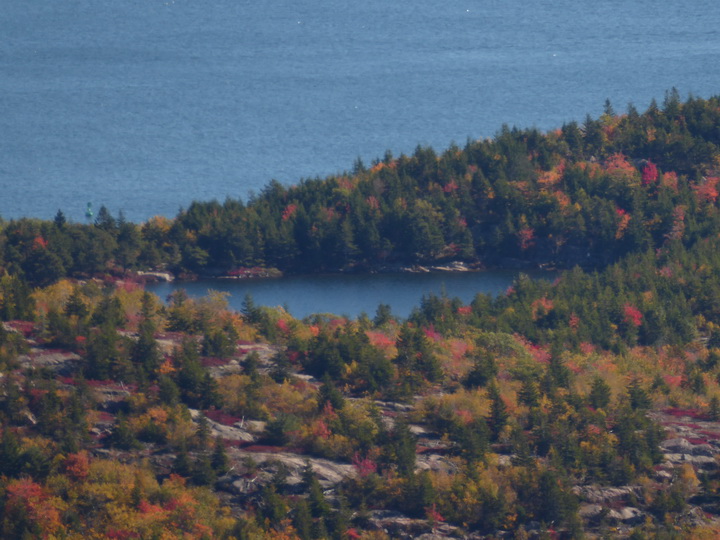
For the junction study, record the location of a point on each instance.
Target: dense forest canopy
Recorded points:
(587, 407)
(583, 195)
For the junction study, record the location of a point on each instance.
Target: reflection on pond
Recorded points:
(351, 294)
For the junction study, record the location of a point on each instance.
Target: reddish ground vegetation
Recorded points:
(222, 417)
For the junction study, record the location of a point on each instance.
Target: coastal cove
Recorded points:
(146, 106)
(350, 294)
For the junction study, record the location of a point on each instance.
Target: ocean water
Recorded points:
(146, 105)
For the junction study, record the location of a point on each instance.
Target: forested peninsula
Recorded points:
(584, 408)
(584, 195)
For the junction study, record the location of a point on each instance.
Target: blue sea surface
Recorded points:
(146, 105)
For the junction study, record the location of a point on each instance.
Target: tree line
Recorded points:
(586, 194)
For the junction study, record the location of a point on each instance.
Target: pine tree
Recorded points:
(600, 393)
(529, 394)
(319, 506)
(328, 393)
(498, 412)
(181, 465)
(121, 436)
(202, 433)
(400, 448)
(302, 520)
(203, 473)
(219, 459)
(639, 398)
(383, 315)
(10, 453)
(272, 507)
(250, 365)
(484, 370)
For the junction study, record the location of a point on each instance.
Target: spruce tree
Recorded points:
(219, 458)
(600, 393)
(529, 394)
(302, 520)
(498, 412)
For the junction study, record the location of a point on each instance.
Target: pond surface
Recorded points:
(351, 294)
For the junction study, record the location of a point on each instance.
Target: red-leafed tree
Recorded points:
(649, 174)
(632, 315)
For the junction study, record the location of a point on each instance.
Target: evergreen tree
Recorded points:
(399, 448)
(482, 372)
(639, 398)
(203, 473)
(182, 464)
(272, 507)
(250, 365)
(383, 315)
(600, 393)
(328, 393)
(340, 521)
(498, 412)
(219, 460)
(319, 506)
(529, 394)
(10, 454)
(302, 520)
(203, 431)
(121, 436)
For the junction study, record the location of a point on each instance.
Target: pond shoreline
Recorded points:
(351, 294)
(260, 273)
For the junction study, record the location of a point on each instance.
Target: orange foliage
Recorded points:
(144, 507)
(526, 236)
(623, 221)
(380, 166)
(320, 430)
(574, 321)
(464, 310)
(670, 180)
(77, 466)
(25, 498)
(540, 353)
(289, 211)
(707, 190)
(562, 199)
(40, 242)
(380, 340)
(161, 223)
(458, 348)
(345, 183)
(167, 367)
(552, 177)
(592, 169)
(618, 167)
(541, 306)
(465, 416)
